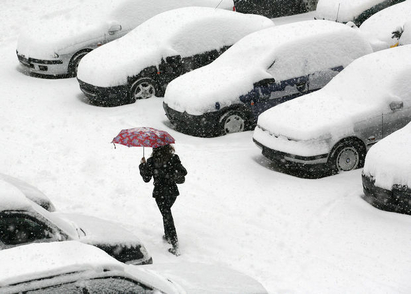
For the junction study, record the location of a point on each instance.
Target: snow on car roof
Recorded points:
(42, 38)
(388, 161)
(379, 27)
(185, 31)
(11, 197)
(234, 72)
(363, 90)
(343, 10)
(29, 191)
(34, 261)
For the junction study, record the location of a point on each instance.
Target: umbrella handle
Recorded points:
(143, 151)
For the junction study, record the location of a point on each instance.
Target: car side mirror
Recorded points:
(396, 105)
(114, 29)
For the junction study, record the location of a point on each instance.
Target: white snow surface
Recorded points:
(388, 161)
(361, 91)
(293, 235)
(379, 27)
(289, 46)
(90, 20)
(185, 32)
(343, 10)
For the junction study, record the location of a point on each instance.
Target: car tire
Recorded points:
(232, 122)
(143, 88)
(75, 61)
(347, 155)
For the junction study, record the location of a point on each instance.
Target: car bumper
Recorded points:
(205, 125)
(42, 67)
(302, 166)
(105, 96)
(398, 199)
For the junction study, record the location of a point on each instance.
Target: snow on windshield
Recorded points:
(381, 25)
(186, 31)
(388, 161)
(343, 10)
(291, 46)
(362, 90)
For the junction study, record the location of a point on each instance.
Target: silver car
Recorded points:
(332, 129)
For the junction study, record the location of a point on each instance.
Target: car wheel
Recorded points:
(232, 122)
(75, 61)
(347, 155)
(143, 88)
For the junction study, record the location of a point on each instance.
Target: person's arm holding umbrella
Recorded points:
(145, 170)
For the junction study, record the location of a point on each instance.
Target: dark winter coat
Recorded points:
(164, 175)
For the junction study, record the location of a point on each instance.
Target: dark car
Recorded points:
(271, 8)
(260, 71)
(23, 221)
(386, 177)
(141, 64)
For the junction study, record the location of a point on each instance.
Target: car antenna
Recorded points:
(338, 11)
(218, 4)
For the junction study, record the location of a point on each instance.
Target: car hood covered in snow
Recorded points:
(363, 90)
(185, 32)
(235, 71)
(388, 161)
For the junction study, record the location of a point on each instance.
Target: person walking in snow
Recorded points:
(165, 167)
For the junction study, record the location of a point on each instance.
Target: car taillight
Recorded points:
(233, 8)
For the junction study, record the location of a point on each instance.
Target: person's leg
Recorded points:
(165, 204)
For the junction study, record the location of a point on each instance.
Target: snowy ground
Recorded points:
(293, 235)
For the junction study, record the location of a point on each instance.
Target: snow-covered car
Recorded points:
(27, 190)
(72, 267)
(384, 28)
(386, 176)
(141, 64)
(332, 129)
(260, 71)
(54, 45)
(23, 221)
(356, 11)
(271, 8)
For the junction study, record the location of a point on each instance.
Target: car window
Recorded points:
(112, 285)
(19, 228)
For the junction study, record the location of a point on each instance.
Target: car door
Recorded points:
(170, 68)
(396, 117)
(281, 87)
